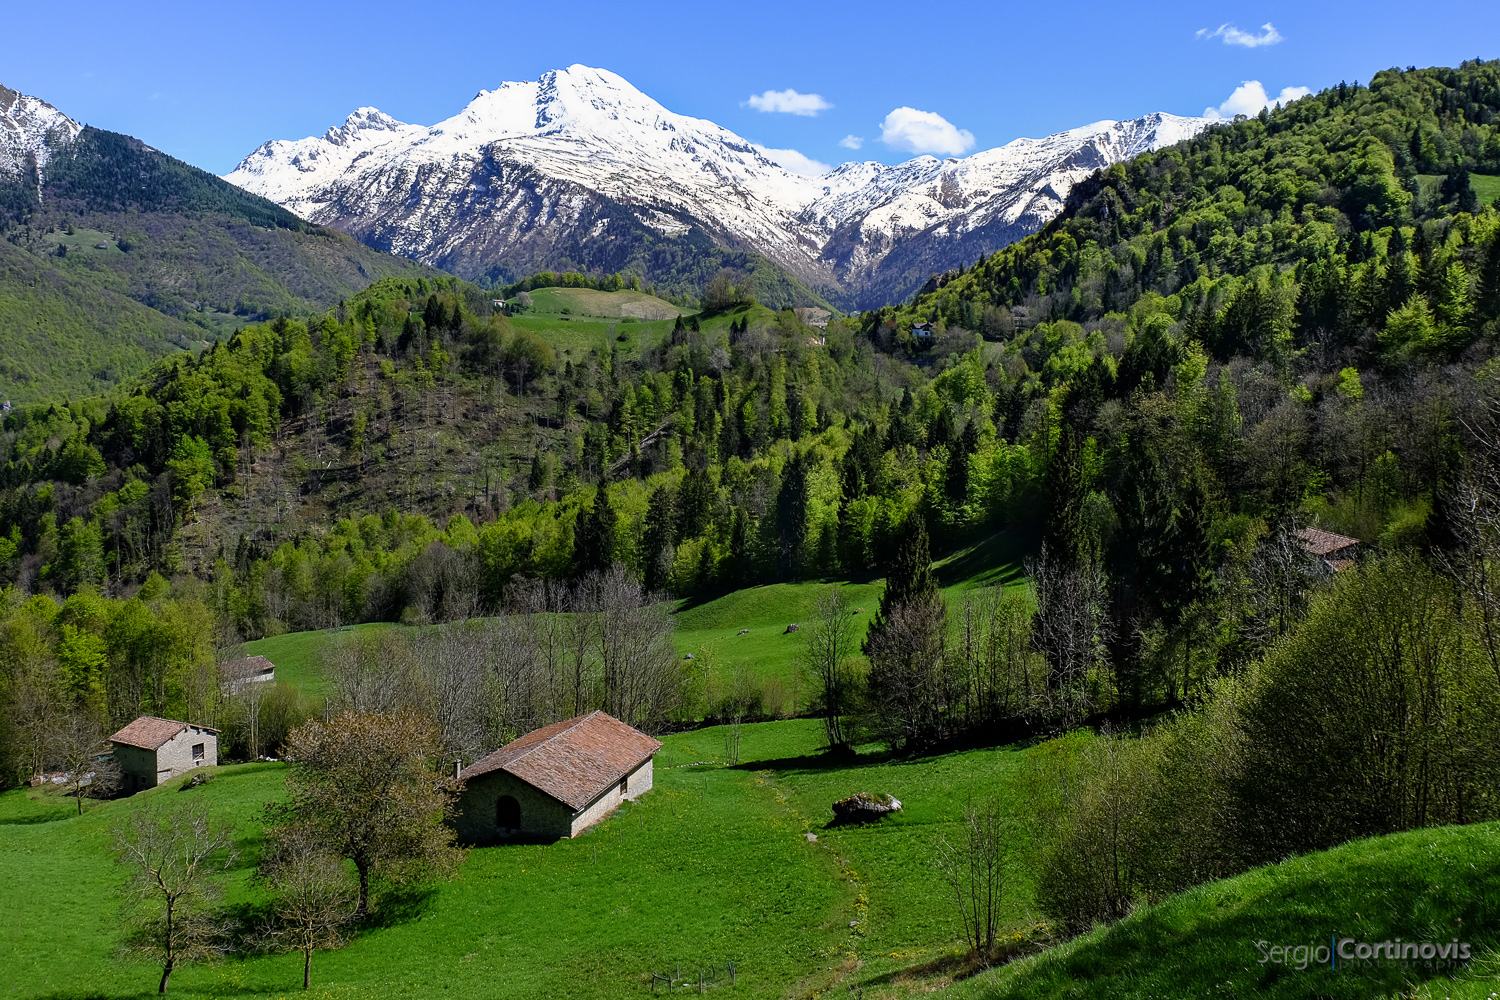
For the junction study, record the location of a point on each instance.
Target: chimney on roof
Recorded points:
(458, 767)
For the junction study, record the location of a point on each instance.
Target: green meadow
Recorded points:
(717, 864)
(1486, 187)
(577, 321)
(1425, 885)
(710, 630)
(724, 864)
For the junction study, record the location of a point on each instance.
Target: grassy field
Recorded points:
(576, 321)
(593, 303)
(740, 864)
(1427, 885)
(710, 630)
(1486, 187)
(714, 865)
(296, 657)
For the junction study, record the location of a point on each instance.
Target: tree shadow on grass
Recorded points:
(993, 560)
(399, 905)
(53, 817)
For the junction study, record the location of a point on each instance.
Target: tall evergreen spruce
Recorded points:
(910, 578)
(594, 536)
(660, 538)
(791, 515)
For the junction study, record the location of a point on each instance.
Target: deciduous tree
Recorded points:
(373, 789)
(173, 859)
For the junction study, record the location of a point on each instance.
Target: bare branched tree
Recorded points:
(371, 670)
(313, 899)
(1002, 673)
(173, 860)
(1281, 575)
(1072, 630)
(81, 750)
(642, 681)
(829, 648)
(972, 863)
(909, 686)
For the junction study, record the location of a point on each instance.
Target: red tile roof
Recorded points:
(1322, 543)
(573, 761)
(149, 733)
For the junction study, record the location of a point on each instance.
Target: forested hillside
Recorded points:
(117, 220)
(1289, 321)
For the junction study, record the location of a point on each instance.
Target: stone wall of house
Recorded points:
(144, 769)
(137, 768)
(637, 783)
(542, 816)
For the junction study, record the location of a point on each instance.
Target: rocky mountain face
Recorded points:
(580, 169)
(113, 254)
(30, 130)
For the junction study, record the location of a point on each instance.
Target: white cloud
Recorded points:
(1249, 97)
(1249, 39)
(797, 163)
(924, 132)
(789, 102)
(851, 142)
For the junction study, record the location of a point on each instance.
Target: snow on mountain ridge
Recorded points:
(550, 156)
(30, 127)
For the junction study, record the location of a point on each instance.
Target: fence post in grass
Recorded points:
(731, 973)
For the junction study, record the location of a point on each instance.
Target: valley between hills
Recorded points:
(1065, 570)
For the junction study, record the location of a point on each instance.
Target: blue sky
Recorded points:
(209, 82)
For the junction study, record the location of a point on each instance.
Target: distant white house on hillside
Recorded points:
(237, 674)
(151, 751)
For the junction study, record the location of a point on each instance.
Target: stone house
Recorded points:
(554, 782)
(1335, 553)
(152, 750)
(247, 670)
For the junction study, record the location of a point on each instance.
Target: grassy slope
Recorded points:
(713, 865)
(607, 305)
(594, 320)
(1486, 187)
(64, 336)
(1427, 885)
(709, 630)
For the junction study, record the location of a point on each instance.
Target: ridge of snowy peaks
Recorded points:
(565, 167)
(30, 129)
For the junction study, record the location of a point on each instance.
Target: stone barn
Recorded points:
(152, 750)
(555, 782)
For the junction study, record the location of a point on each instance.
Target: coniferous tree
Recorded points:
(907, 683)
(658, 544)
(594, 536)
(791, 514)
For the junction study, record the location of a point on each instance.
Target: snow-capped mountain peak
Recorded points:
(30, 130)
(565, 167)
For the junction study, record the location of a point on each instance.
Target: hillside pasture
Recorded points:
(1486, 187)
(593, 303)
(715, 865)
(765, 658)
(1426, 885)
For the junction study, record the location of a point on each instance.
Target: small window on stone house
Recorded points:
(625, 785)
(197, 751)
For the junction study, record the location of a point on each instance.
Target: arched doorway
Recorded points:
(507, 813)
